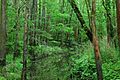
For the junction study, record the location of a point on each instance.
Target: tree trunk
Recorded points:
(118, 21)
(24, 69)
(39, 21)
(114, 22)
(2, 32)
(35, 19)
(44, 19)
(76, 34)
(62, 2)
(107, 7)
(33, 38)
(95, 42)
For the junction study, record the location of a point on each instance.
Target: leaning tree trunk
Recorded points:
(95, 42)
(2, 32)
(81, 20)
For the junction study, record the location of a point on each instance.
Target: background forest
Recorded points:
(59, 39)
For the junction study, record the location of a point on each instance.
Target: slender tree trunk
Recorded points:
(44, 19)
(62, 7)
(33, 38)
(25, 51)
(118, 21)
(88, 11)
(39, 21)
(76, 34)
(48, 26)
(44, 14)
(95, 42)
(2, 32)
(114, 12)
(35, 19)
(114, 22)
(107, 7)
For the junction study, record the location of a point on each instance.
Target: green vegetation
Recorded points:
(59, 40)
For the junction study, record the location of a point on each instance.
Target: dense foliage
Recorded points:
(57, 45)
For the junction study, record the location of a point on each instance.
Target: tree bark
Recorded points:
(24, 69)
(118, 21)
(95, 42)
(2, 32)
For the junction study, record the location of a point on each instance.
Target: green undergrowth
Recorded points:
(75, 63)
(12, 71)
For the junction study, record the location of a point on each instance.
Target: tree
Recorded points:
(25, 43)
(33, 27)
(59, 40)
(44, 28)
(81, 20)
(33, 37)
(92, 36)
(109, 24)
(118, 21)
(2, 32)
(88, 6)
(39, 20)
(95, 42)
